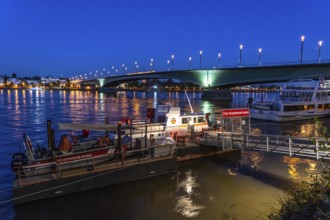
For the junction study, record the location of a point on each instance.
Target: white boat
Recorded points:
(299, 99)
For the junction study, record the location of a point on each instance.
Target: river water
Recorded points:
(209, 188)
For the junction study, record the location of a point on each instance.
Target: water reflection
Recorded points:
(300, 168)
(203, 192)
(252, 159)
(185, 204)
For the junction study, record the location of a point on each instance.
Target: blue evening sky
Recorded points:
(72, 37)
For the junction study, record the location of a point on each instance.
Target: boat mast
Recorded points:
(191, 109)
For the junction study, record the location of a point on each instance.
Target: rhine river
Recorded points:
(208, 188)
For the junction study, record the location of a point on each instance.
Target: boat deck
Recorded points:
(185, 148)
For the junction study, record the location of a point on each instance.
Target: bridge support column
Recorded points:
(224, 95)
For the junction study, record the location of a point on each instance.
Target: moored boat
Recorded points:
(89, 164)
(299, 99)
(125, 151)
(72, 151)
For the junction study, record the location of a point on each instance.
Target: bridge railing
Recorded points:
(181, 66)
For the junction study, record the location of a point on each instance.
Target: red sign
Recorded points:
(235, 112)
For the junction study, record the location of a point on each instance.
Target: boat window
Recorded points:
(327, 106)
(194, 120)
(291, 108)
(185, 121)
(201, 119)
(320, 107)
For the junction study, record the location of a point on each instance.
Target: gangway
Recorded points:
(308, 147)
(312, 147)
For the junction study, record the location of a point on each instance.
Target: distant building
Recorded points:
(32, 82)
(49, 80)
(15, 81)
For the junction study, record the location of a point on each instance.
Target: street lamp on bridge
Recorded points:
(172, 60)
(219, 57)
(259, 55)
(240, 54)
(136, 66)
(151, 63)
(200, 59)
(320, 45)
(302, 48)
(190, 59)
(123, 68)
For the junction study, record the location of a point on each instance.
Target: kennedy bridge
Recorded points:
(223, 77)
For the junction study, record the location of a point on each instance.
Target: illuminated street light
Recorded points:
(320, 45)
(136, 66)
(190, 59)
(219, 57)
(240, 54)
(151, 63)
(259, 55)
(302, 48)
(172, 61)
(200, 58)
(168, 65)
(123, 68)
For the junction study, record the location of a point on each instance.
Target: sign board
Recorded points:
(235, 112)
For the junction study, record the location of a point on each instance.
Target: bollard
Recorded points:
(267, 143)
(247, 141)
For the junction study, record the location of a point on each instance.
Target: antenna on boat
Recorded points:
(191, 109)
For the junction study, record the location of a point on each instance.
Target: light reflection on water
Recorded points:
(301, 168)
(186, 190)
(202, 190)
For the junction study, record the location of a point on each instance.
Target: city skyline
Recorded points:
(68, 38)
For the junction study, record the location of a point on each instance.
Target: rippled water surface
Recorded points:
(202, 189)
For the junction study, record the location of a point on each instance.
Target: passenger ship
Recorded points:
(299, 99)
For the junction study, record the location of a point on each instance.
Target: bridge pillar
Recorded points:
(224, 95)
